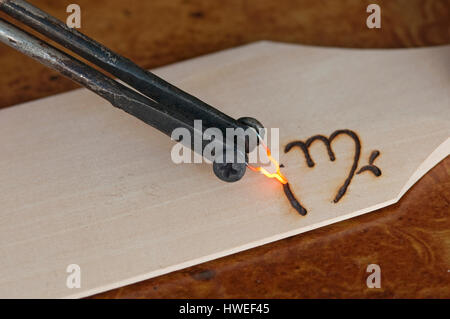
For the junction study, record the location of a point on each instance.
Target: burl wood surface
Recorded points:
(410, 240)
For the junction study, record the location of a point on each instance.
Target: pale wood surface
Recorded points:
(88, 184)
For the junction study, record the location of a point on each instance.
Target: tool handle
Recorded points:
(144, 81)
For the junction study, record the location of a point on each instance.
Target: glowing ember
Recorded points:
(283, 180)
(278, 175)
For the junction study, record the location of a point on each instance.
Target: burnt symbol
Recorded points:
(371, 168)
(327, 141)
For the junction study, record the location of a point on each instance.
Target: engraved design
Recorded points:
(371, 168)
(327, 141)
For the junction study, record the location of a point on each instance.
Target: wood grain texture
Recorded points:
(410, 238)
(158, 32)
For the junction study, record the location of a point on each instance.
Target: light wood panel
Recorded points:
(88, 184)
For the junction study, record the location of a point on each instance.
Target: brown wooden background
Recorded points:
(409, 240)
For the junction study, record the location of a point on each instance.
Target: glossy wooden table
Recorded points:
(410, 240)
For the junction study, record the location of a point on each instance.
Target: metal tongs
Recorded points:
(150, 98)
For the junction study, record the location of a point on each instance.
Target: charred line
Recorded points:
(304, 146)
(375, 170)
(372, 168)
(348, 180)
(294, 202)
(373, 156)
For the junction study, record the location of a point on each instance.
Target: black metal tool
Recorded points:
(154, 101)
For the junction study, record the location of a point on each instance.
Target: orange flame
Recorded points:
(278, 175)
